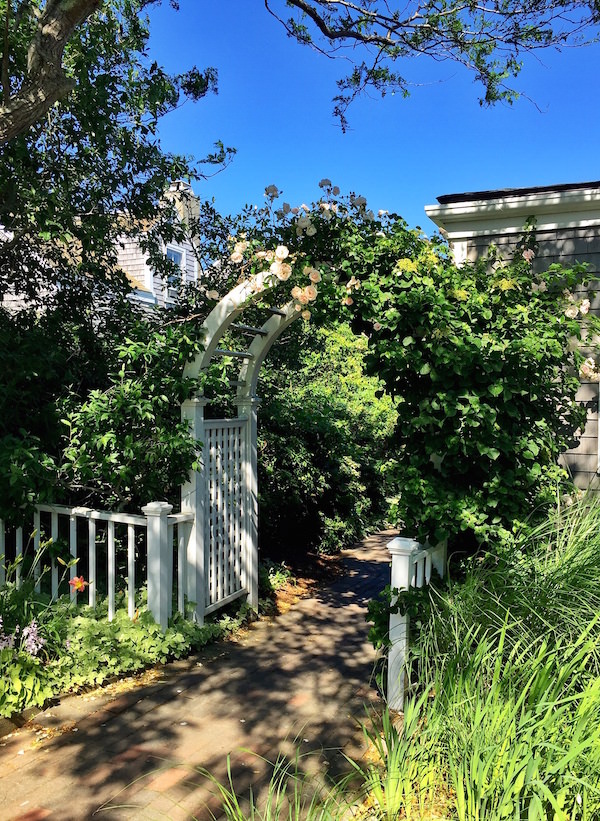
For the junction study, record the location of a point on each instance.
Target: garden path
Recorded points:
(305, 675)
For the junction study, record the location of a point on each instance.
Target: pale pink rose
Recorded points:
(588, 368)
(260, 255)
(275, 268)
(528, 255)
(325, 183)
(296, 291)
(297, 307)
(311, 292)
(285, 271)
(303, 298)
(236, 257)
(314, 276)
(324, 206)
(240, 247)
(306, 315)
(303, 221)
(212, 294)
(584, 307)
(335, 190)
(348, 301)
(571, 311)
(359, 202)
(286, 208)
(271, 191)
(294, 210)
(377, 326)
(269, 256)
(281, 252)
(311, 231)
(305, 207)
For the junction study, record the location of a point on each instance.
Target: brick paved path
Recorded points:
(305, 675)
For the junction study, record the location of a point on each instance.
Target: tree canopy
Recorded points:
(374, 36)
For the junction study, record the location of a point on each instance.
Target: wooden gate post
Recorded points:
(160, 561)
(193, 500)
(402, 551)
(248, 409)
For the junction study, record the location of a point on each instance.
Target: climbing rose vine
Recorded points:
(483, 361)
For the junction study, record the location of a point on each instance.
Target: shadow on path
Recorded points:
(303, 677)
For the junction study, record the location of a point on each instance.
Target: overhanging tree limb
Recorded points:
(46, 81)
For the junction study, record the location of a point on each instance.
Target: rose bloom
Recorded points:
(587, 368)
(348, 301)
(314, 276)
(299, 231)
(294, 210)
(260, 255)
(572, 311)
(297, 307)
(303, 221)
(306, 315)
(325, 183)
(296, 291)
(311, 231)
(281, 252)
(377, 326)
(584, 307)
(311, 292)
(335, 190)
(382, 212)
(528, 255)
(236, 257)
(271, 191)
(275, 268)
(212, 294)
(285, 271)
(303, 298)
(240, 247)
(286, 208)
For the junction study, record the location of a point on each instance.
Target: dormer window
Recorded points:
(177, 257)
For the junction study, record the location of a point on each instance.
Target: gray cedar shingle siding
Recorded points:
(562, 238)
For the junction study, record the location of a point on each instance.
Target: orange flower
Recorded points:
(78, 584)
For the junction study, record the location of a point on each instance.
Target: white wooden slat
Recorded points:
(131, 570)
(36, 550)
(111, 570)
(99, 515)
(2, 551)
(18, 553)
(230, 510)
(222, 506)
(420, 566)
(213, 520)
(238, 507)
(92, 563)
(428, 566)
(183, 531)
(54, 536)
(73, 552)
(170, 542)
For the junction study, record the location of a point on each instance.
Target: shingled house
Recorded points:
(149, 287)
(567, 227)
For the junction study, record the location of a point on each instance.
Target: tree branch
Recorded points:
(46, 81)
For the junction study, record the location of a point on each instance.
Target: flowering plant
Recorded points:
(479, 359)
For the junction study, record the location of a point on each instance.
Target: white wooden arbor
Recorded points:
(222, 553)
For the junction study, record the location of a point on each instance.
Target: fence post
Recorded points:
(402, 551)
(160, 561)
(193, 500)
(248, 407)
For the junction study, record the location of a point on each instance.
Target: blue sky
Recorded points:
(274, 106)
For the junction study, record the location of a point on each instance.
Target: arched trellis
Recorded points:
(222, 552)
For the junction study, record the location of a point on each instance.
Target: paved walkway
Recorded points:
(303, 676)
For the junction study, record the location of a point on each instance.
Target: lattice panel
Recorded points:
(224, 517)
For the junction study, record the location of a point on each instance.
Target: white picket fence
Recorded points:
(412, 565)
